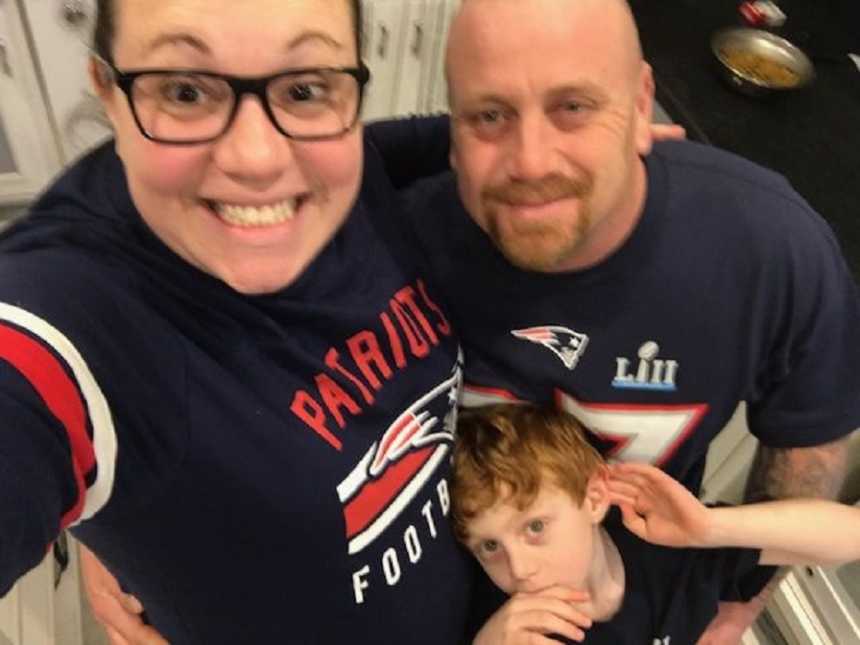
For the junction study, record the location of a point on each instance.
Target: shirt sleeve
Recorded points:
(40, 478)
(808, 389)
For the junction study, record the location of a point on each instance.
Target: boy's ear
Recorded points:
(596, 500)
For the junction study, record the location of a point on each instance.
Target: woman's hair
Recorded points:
(506, 452)
(105, 27)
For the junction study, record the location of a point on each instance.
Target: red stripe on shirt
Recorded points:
(47, 376)
(376, 495)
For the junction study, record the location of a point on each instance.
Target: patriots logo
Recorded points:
(395, 468)
(565, 343)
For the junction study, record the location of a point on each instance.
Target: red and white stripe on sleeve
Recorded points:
(60, 375)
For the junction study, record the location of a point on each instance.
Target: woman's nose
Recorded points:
(252, 150)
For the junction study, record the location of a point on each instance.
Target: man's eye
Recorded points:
(489, 546)
(536, 526)
(489, 116)
(489, 124)
(571, 114)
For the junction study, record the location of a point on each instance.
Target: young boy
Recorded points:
(529, 496)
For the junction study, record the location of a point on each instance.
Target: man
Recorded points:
(647, 292)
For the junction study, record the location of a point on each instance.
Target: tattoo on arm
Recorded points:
(816, 471)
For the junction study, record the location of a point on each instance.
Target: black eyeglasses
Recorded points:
(187, 107)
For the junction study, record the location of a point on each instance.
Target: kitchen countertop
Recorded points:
(811, 136)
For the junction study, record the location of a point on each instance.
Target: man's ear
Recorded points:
(596, 500)
(644, 107)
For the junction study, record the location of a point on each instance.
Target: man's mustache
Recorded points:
(541, 191)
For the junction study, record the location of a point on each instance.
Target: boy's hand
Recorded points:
(117, 611)
(656, 507)
(528, 618)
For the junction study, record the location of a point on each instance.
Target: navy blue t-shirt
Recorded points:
(729, 289)
(671, 595)
(256, 469)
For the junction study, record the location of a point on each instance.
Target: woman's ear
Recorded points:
(103, 87)
(596, 500)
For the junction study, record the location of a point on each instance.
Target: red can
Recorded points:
(761, 13)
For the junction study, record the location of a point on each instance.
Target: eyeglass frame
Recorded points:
(240, 86)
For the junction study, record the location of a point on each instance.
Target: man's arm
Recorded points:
(120, 614)
(779, 473)
(411, 148)
(816, 471)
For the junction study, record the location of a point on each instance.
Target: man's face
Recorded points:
(551, 542)
(252, 208)
(551, 106)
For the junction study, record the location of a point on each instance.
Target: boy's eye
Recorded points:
(489, 546)
(536, 526)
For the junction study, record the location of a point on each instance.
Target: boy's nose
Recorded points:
(523, 567)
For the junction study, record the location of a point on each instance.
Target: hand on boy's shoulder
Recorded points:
(529, 618)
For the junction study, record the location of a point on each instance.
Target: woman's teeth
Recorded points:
(257, 216)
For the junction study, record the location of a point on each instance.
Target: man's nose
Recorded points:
(252, 150)
(532, 147)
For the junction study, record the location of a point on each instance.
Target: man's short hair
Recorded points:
(505, 452)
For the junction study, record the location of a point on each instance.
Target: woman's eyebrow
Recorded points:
(178, 39)
(310, 36)
(184, 38)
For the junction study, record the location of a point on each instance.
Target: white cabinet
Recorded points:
(404, 46)
(416, 59)
(61, 31)
(384, 38)
(43, 610)
(29, 156)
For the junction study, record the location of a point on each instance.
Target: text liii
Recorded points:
(650, 373)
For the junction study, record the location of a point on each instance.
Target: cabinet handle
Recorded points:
(383, 41)
(5, 65)
(74, 12)
(418, 40)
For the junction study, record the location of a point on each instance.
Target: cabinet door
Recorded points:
(384, 37)
(436, 91)
(28, 153)
(61, 32)
(416, 60)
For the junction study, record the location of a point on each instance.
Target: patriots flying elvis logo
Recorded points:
(395, 468)
(565, 343)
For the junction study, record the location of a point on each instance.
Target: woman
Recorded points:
(216, 365)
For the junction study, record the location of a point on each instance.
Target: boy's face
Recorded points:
(548, 543)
